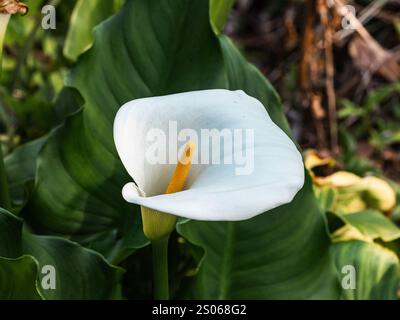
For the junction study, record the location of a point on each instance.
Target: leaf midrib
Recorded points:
(175, 41)
(226, 266)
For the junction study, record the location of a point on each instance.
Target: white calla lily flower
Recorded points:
(218, 191)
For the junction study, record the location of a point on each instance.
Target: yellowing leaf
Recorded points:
(339, 179)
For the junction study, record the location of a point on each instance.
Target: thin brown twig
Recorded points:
(365, 15)
(329, 74)
(382, 60)
(357, 25)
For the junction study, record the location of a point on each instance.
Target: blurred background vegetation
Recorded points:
(290, 43)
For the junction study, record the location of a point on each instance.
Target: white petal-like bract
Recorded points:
(225, 189)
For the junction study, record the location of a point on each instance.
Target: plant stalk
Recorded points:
(5, 201)
(160, 268)
(4, 18)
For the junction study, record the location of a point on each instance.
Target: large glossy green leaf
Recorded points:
(21, 167)
(281, 254)
(18, 279)
(219, 11)
(85, 16)
(377, 270)
(153, 48)
(79, 272)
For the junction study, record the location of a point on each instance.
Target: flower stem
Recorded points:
(160, 268)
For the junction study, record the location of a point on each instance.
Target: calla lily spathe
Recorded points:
(213, 192)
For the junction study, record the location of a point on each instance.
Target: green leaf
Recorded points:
(5, 199)
(372, 224)
(18, 279)
(326, 197)
(79, 273)
(219, 11)
(245, 76)
(350, 109)
(85, 16)
(281, 254)
(21, 167)
(68, 102)
(4, 19)
(376, 269)
(377, 96)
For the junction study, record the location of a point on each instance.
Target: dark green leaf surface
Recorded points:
(18, 279)
(281, 254)
(79, 273)
(376, 268)
(21, 167)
